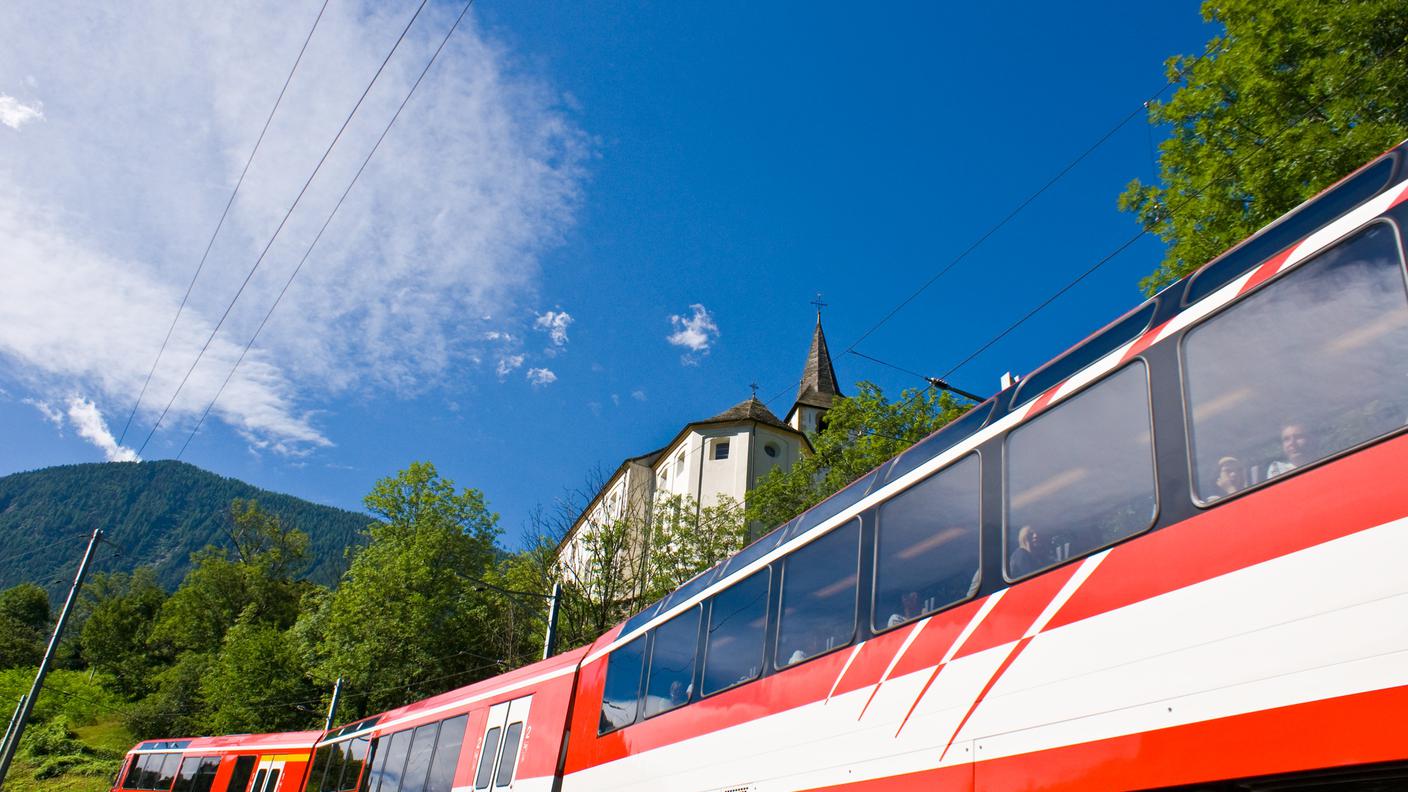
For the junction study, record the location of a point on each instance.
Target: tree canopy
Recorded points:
(1291, 97)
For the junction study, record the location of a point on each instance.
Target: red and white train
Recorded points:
(1172, 557)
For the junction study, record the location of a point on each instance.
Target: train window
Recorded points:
(1310, 365)
(337, 759)
(733, 647)
(316, 770)
(819, 596)
(670, 681)
(197, 774)
(447, 754)
(621, 695)
(1081, 476)
(1318, 212)
(508, 755)
(418, 760)
(388, 772)
(486, 759)
(239, 777)
(258, 781)
(926, 547)
(133, 780)
(354, 757)
(949, 436)
(167, 772)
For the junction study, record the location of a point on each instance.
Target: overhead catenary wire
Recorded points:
(221, 222)
(299, 268)
(297, 199)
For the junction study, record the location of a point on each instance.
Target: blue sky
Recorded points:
(617, 163)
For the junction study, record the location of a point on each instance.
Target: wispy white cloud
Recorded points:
(538, 377)
(638, 395)
(507, 363)
(446, 228)
(695, 332)
(555, 324)
(51, 413)
(88, 421)
(15, 114)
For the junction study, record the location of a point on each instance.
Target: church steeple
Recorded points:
(817, 389)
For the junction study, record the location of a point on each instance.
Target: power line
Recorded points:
(326, 223)
(1188, 198)
(221, 222)
(289, 213)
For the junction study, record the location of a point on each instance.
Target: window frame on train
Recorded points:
(1184, 368)
(679, 620)
(974, 457)
(1046, 414)
(766, 573)
(644, 642)
(854, 523)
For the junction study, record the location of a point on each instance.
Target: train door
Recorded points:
(503, 736)
(266, 778)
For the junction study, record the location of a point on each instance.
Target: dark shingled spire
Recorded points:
(818, 385)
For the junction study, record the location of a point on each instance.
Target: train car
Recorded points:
(236, 763)
(504, 733)
(1172, 556)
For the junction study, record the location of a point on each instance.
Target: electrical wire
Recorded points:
(282, 223)
(221, 222)
(319, 236)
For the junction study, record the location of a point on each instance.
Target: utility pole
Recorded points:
(332, 706)
(550, 639)
(27, 703)
(11, 727)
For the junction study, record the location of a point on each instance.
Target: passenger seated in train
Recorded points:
(1024, 560)
(909, 609)
(1231, 477)
(1296, 445)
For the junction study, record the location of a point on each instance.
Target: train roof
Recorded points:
(233, 742)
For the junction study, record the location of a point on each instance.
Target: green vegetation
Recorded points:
(1292, 97)
(158, 512)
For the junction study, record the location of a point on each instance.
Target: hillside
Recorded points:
(157, 513)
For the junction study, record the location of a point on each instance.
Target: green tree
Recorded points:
(254, 682)
(175, 705)
(410, 613)
(24, 625)
(1292, 96)
(686, 538)
(122, 610)
(861, 432)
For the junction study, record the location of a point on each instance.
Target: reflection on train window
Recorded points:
(733, 649)
(621, 695)
(418, 760)
(1081, 475)
(508, 758)
(1314, 363)
(167, 771)
(486, 758)
(670, 682)
(388, 772)
(819, 596)
(926, 546)
(447, 752)
(356, 754)
(197, 774)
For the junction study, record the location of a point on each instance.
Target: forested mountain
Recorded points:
(155, 513)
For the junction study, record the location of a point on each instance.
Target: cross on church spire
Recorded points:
(754, 386)
(819, 305)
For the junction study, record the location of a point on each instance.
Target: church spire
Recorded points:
(817, 388)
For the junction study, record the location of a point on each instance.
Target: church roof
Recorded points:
(818, 386)
(749, 409)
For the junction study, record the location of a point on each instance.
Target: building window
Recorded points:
(721, 449)
(770, 449)
(679, 464)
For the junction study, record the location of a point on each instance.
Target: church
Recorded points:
(723, 455)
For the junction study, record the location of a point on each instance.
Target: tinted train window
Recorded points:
(239, 777)
(418, 761)
(272, 784)
(197, 774)
(133, 780)
(337, 759)
(819, 596)
(316, 771)
(509, 755)
(486, 758)
(447, 752)
(1313, 363)
(388, 772)
(1081, 475)
(622, 691)
(167, 773)
(926, 548)
(671, 679)
(733, 647)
